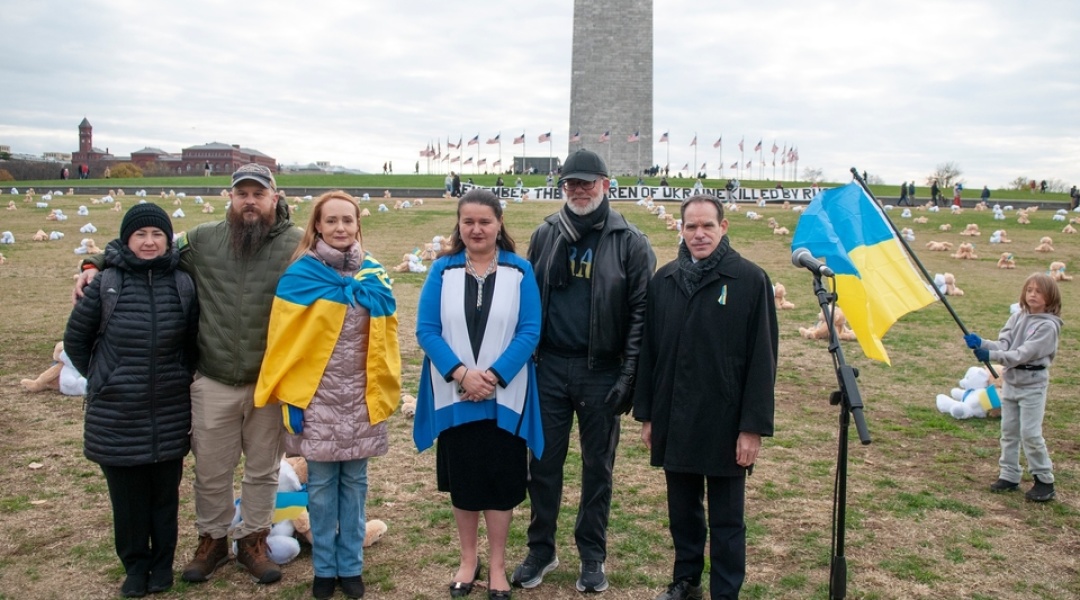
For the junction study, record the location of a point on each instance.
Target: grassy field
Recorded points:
(921, 523)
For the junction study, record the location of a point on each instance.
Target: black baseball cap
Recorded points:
(585, 165)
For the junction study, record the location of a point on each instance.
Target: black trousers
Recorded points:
(145, 501)
(726, 530)
(568, 388)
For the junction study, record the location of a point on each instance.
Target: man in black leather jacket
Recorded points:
(593, 268)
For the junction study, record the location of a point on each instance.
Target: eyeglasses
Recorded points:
(580, 184)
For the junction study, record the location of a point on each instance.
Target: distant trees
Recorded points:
(126, 171)
(813, 174)
(1052, 185)
(946, 175)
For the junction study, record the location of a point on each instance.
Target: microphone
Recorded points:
(801, 257)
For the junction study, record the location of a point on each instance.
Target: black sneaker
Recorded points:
(531, 571)
(682, 590)
(352, 587)
(134, 586)
(1041, 491)
(592, 577)
(1002, 485)
(322, 588)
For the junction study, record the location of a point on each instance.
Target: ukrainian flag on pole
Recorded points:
(876, 282)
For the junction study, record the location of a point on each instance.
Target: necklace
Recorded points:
(480, 279)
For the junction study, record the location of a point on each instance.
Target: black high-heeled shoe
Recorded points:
(460, 589)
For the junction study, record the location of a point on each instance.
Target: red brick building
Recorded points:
(222, 158)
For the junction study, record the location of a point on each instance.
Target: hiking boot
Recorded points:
(251, 553)
(682, 590)
(210, 555)
(531, 572)
(352, 587)
(592, 577)
(1002, 485)
(1041, 491)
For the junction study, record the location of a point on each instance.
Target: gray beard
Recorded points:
(589, 208)
(247, 237)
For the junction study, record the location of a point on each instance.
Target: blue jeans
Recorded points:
(336, 495)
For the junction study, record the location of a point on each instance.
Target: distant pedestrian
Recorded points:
(903, 195)
(985, 195)
(207, 169)
(911, 191)
(1074, 194)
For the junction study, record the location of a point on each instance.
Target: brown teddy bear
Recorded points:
(971, 229)
(1069, 229)
(820, 332)
(939, 246)
(780, 297)
(1045, 245)
(61, 376)
(1057, 271)
(965, 251)
(1006, 261)
(1022, 217)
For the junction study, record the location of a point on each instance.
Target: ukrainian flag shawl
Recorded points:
(305, 322)
(511, 336)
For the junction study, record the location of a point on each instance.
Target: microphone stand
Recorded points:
(851, 407)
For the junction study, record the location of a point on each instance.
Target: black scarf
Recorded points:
(693, 272)
(573, 227)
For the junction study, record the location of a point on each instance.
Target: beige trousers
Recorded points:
(225, 423)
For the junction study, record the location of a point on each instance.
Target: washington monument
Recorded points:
(611, 86)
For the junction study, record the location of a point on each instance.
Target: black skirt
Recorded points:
(482, 466)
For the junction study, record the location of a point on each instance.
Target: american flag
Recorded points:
(497, 163)
(664, 138)
(544, 137)
(447, 157)
(693, 142)
(748, 163)
(758, 147)
(468, 161)
(424, 153)
(703, 166)
(520, 139)
(734, 165)
(604, 137)
(438, 153)
(481, 162)
(576, 137)
(717, 143)
(495, 140)
(685, 167)
(474, 141)
(633, 137)
(740, 145)
(775, 147)
(455, 159)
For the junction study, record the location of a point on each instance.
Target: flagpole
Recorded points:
(551, 166)
(721, 167)
(915, 259)
(695, 154)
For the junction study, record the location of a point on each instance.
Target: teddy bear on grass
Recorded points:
(977, 396)
(821, 332)
(291, 522)
(62, 376)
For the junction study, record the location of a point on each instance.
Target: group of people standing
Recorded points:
(291, 346)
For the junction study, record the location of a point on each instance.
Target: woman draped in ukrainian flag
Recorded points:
(478, 322)
(332, 361)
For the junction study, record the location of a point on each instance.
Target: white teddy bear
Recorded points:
(282, 546)
(976, 396)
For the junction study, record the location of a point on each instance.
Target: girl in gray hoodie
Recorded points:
(1026, 347)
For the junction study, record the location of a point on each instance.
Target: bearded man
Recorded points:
(593, 268)
(236, 264)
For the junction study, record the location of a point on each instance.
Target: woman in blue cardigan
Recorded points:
(478, 323)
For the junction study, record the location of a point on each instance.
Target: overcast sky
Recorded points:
(895, 88)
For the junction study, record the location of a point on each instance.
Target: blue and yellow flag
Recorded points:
(876, 283)
(305, 321)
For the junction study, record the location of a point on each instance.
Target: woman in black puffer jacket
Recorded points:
(139, 368)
